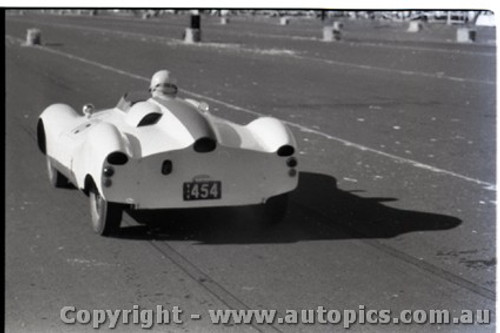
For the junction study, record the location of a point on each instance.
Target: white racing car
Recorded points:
(155, 153)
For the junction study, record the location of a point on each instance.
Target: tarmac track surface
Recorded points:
(396, 203)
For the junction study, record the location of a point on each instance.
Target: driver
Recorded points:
(163, 85)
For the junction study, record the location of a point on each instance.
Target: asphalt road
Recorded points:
(395, 207)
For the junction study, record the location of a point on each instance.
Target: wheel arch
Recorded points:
(40, 136)
(89, 184)
(55, 119)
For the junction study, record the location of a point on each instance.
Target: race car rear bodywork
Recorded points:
(185, 178)
(168, 153)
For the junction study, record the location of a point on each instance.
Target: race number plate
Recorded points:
(202, 190)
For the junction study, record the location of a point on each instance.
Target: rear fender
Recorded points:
(102, 140)
(271, 134)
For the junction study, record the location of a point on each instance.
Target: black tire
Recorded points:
(275, 209)
(56, 179)
(105, 216)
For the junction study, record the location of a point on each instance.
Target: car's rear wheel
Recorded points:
(275, 208)
(105, 216)
(56, 178)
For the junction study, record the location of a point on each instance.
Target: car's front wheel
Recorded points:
(56, 178)
(106, 216)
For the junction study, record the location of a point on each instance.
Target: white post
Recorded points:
(284, 21)
(193, 33)
(337, 25)
(330, 34)
(466, 35)
(34, 37)
(415, 26)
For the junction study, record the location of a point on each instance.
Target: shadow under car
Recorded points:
(317, 210)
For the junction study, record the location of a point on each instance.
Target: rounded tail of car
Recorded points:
(273, 136)
(105, 151)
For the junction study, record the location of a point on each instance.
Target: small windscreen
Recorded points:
(130, 98)
(150, 119)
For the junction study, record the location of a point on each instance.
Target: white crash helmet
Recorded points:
(163, 82)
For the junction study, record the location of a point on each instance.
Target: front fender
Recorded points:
(55, 119)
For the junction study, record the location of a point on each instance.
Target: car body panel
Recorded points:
(150, 132)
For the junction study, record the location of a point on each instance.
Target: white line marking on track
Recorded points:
(486, 185)
(422, 49)
(381, 44)
(397, 71)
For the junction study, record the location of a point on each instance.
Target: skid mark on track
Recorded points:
(214, 288)
(395, 158)
(291, 53)
(393, 252)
